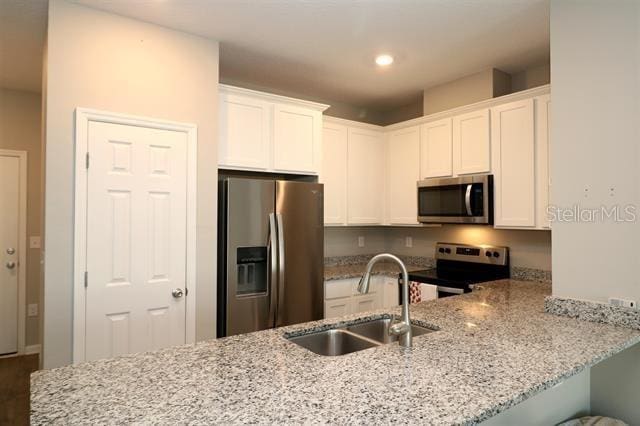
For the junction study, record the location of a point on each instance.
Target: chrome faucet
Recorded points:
(401, 329)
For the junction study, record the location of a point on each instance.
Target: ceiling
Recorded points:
(324, 49)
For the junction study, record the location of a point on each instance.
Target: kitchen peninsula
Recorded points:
(494, 349)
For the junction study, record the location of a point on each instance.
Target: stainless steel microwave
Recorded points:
(465, 199)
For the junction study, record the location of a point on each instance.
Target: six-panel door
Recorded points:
(136, 239)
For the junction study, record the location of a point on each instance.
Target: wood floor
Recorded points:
(14, 388)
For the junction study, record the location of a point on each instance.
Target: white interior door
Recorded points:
(10, 225)
(136, 239)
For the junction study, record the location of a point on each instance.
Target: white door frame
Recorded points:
(82, 118)
(22, 243)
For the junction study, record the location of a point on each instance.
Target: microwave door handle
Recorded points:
(272, 254)
(281, 271)
(467, 200)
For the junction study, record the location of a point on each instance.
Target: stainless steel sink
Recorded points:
(379, 330)
(333, 342)
(352, 338)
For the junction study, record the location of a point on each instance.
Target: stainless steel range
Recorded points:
(460, 266)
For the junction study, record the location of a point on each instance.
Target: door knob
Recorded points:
(177, 293)
(11, 265)
(11, 250)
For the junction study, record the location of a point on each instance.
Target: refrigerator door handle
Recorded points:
(272, 254)
(281, 270)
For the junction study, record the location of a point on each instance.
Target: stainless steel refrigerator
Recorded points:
(270, 254)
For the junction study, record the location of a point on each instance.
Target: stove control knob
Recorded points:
(447, 250)
(496, 254)
(488, 254)
(441, 250)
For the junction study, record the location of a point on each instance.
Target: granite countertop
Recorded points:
(344, 267)
(341, 272)
(495, 348)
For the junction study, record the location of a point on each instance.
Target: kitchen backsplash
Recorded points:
(529, 250)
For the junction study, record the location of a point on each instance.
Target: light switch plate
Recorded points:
(34, 242)
(361, 241)
(32, 310)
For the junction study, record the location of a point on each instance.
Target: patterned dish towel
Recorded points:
(415, 294)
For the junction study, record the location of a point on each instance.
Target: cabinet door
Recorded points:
(436, 149)
(543, 160)
(513, 164)
(471, 143)
(364, 303)
(391, 293)
(334, 173)
(296, 139)
(337, 307)
(403, 163)
(365, 177)
(245, 132)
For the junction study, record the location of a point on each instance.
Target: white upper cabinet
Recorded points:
(543, 163)
(260, 131)
(403, 165)
(245, 132)
(436, 149)
(334, 173)
(297, 133)
(365, 177)
(471, 143)
(513, 147)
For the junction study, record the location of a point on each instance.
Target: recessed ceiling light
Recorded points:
(384, 60)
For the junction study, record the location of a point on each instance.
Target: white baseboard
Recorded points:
(32, 349)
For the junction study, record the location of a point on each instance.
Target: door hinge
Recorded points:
(86, 279)
(87, 160)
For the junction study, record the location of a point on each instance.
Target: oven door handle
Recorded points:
(467, 200)
(451, 290)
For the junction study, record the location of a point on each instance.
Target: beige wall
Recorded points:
(343, 241)
(107, 62)
(531, 77)
(20, 116)
(473, 88)
(531, 249)
(594, 150)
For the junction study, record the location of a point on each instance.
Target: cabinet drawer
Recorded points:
(338, 288)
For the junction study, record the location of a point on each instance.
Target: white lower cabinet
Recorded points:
(337, 307)
(341, 297)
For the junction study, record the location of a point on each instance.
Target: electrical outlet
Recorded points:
(623, 302)
(34, 242)
(408, 242)
(32, 310)
(361, 241)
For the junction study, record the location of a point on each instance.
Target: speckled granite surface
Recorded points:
(530, 274)
(592, 311)
(495, 348)
(343, 267)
